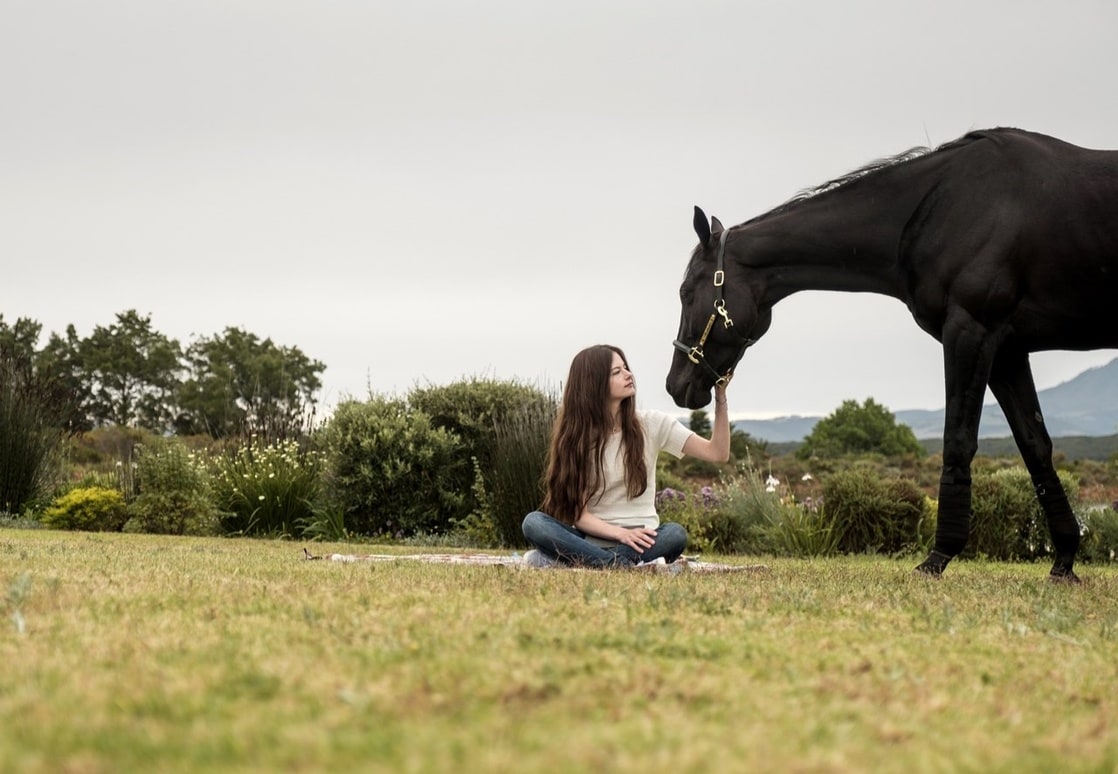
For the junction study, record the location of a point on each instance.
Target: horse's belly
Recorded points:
(1088, 321)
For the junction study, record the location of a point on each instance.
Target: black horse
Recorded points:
(1001, 243)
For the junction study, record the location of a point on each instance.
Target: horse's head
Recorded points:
(719, 320)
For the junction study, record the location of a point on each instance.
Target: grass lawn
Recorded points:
(143, 653)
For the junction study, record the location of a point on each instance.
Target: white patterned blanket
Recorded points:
(685, 564)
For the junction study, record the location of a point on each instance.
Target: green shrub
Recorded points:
(173, 492)
(868, 512)
(746, 516)
(92, 509)
(1007, 521)
(476, 411)
(1100, 536)
(267, 488)
(391, 471)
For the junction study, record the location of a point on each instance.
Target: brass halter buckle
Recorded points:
(695, 353)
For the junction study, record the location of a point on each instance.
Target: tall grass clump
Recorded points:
(512, 484)
(268, 488)
(173, 491)
(326, 521)
(32, 436)
(739, 524)
(802, 531)
(783, 526)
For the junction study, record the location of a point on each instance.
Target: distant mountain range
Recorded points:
(1083, 406)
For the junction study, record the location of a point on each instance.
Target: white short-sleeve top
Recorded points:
(662, 432)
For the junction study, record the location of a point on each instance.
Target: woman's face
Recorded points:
(621, 384)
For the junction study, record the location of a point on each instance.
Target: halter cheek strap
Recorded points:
(695, 353)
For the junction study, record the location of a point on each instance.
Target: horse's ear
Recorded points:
(715, 226)
(702, 228)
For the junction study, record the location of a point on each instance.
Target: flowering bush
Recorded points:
(674, 505)
(710, 499)
(268, 488)
(714, 521)
(748, 514)
(670, 499)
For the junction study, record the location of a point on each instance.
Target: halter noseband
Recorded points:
(695, 353)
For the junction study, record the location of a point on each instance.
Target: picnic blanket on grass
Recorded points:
(681, 565)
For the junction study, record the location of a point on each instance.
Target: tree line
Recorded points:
(130, 375)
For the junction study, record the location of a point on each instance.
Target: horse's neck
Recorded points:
(845, 240)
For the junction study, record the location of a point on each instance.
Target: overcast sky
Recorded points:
(422, 192)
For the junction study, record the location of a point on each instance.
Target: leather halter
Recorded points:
(695, 353)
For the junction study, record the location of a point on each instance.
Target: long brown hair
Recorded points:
(578, 438)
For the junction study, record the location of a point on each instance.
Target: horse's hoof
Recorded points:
(928, 571)
(1063, 574)
(934, 565)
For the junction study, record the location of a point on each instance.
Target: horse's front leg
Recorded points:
(968, 352)
(1011, 380)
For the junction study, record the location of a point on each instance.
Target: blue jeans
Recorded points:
(567, 544)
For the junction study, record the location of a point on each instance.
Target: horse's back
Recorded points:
(1049, 199)
(1039, 171)
(1024, 226)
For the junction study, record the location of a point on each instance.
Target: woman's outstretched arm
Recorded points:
(717, 447)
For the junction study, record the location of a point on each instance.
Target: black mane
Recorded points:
(874, 166)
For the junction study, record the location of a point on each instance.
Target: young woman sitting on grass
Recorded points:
(599, 507)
